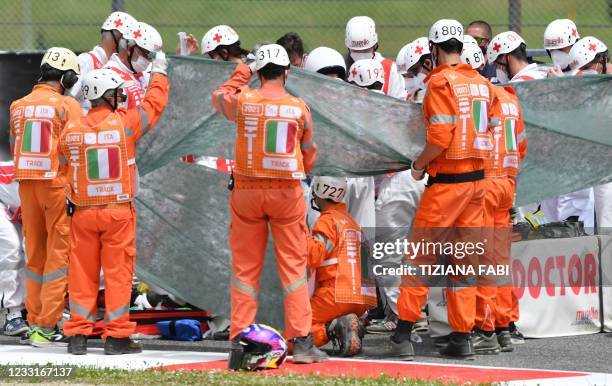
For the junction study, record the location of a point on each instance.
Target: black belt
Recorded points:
(441, 178)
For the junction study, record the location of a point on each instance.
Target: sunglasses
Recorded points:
(479, 39)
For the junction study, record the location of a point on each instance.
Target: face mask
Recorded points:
(590, 72)
(560, 58)
(501, 76)
(140, 64)
(361, 55)
(415, 83)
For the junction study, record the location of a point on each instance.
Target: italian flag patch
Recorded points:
(479, 114)
(280, 136)
(510, 134)
(103, 163)
(37, 137)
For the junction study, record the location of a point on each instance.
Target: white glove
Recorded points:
(417, 174)
(252, 66)
(160, 63)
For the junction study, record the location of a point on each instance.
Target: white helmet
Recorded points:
(418, 48)
(366, 72)
(221, 35)
(469, 39)
(121, 21)
(584, 51)
(97, 82)
(329, 188)
(147, 37)
(444, 30)
(360, 33)
(61, 59)
(271, 53)
(325, 57)
(400, 60)
(472, 55)
(503, 43)
(560, 33)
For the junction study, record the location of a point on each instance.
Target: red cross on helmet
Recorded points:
(120, 21)
(221, 35)
(584, 51)
(503, 43)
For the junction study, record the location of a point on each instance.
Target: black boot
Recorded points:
(504, 338)
(399, 344)
(459, 345)
(343, 332)
(485, 342)
(236, 357)
(118, 346)
(305, 352)
(77, 345)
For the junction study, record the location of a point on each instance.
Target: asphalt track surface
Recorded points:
(588, 353)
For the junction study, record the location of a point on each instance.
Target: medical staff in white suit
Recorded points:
(12, 259)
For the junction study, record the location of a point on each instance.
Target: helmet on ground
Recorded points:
(97, 82)
(472, 55)
(61, 59)
(444, 30)
(221, 35)
(418, 48)
(503, 43)
(325, 60)
(330, 188)
(360, 33)
(147, 37)
(560, 33)
(585, 50)
(271, 53)
(121, 21)
(262, 348)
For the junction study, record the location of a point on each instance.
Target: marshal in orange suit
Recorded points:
(37, 121)
(100, 150)
(274, 151)
(334, 254)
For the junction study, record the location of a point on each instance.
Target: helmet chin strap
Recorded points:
(313, 205)
(130, 54)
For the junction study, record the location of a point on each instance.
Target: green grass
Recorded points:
(150, 377)
(75, 23)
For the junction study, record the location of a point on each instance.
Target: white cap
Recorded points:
(503, 43)
(97, 82)
(121, 21)
(271, 53)
(360, 33)
(366, 72)
(330, 188)
(560, 33)
(472, 55)
(418, 48)
(584, 51)
(147, 37)
(61, 59)
(444, 30)
(221, 35)
(324, 57)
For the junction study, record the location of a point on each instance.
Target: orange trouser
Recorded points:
(102, 238)
(46, 228)
(325, 309)
(446, 206)
(284, 210)
(499, 198)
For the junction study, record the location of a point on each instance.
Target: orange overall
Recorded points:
(457, 106)
(100, 150)
(497, 307)
(274, 150)
(37, 121)
(334, 251)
